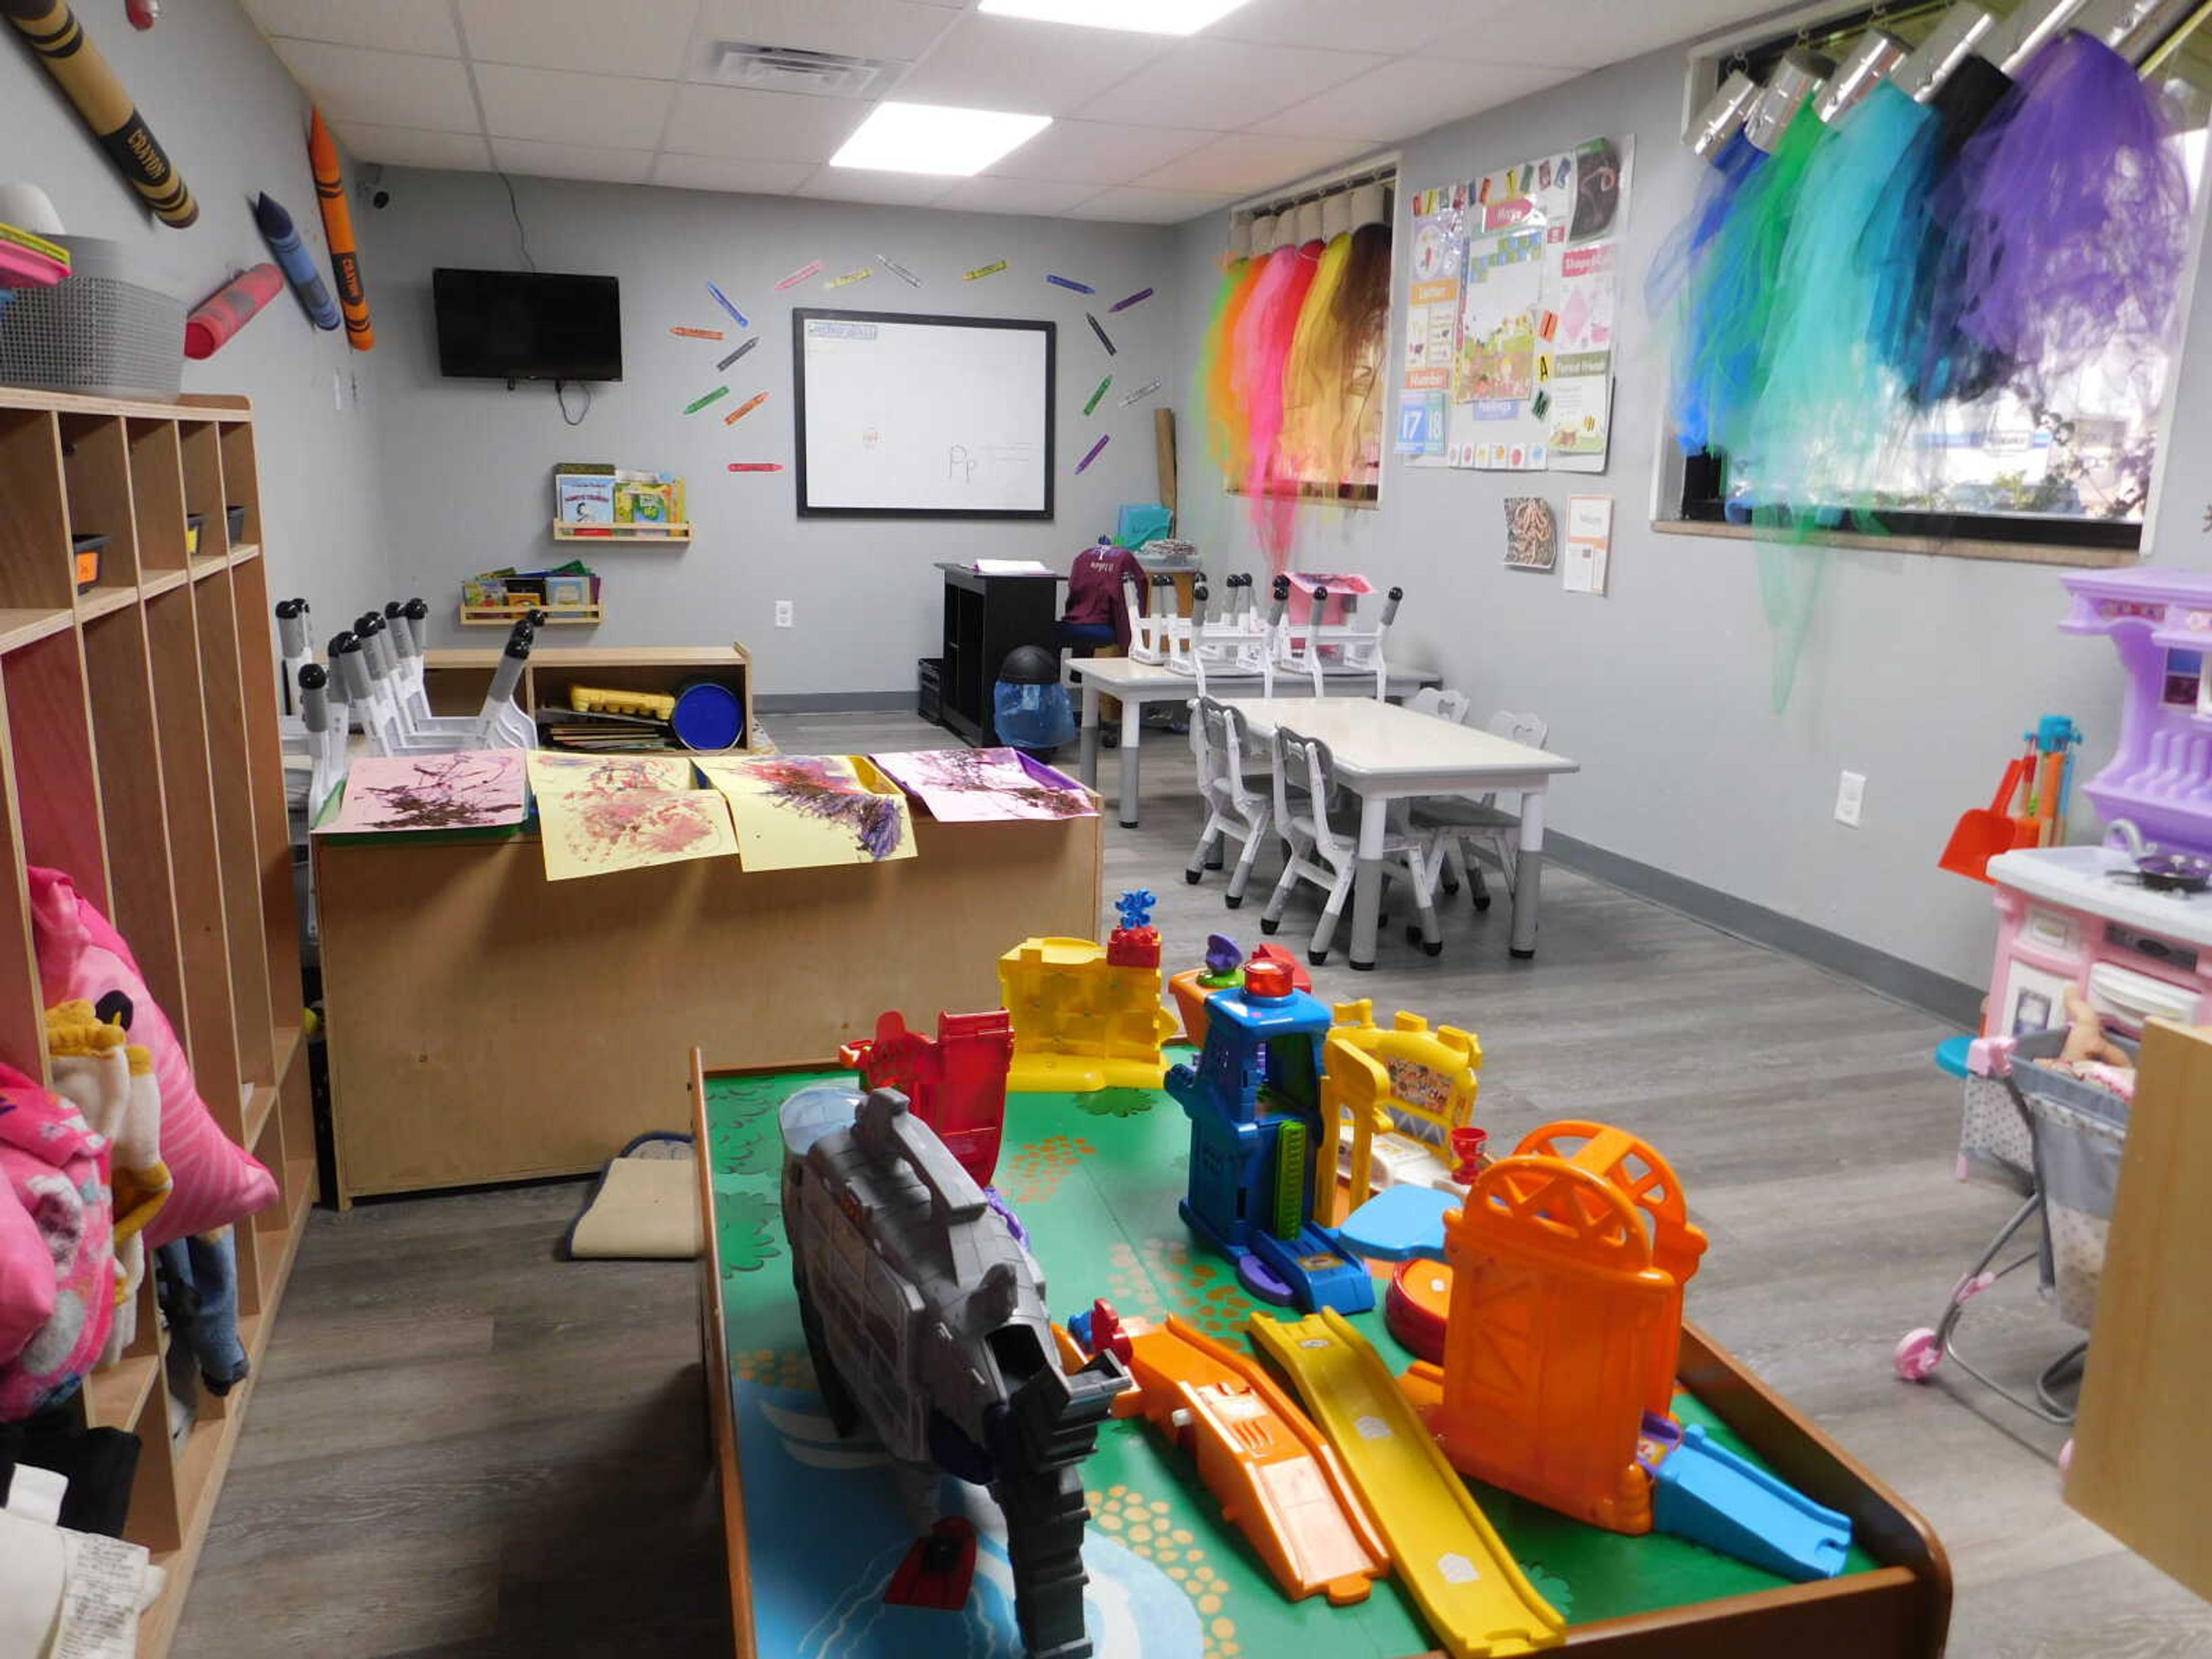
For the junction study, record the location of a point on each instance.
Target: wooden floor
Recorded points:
(463, 1447)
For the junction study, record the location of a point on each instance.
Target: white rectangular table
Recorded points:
(1385, 753)
(1137, 683)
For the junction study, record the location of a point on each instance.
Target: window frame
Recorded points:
(1685, 496)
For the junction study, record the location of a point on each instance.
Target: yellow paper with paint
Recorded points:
(984, 270)
(597, 832)
(552, 772)
(799, 811)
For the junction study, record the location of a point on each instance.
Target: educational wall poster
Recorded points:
(596, 832)
(1532, 534)
(801, 811)
(1589, 544)
(472, 789)
(1531, 253)
(1432, 317)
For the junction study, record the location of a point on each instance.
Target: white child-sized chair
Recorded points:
(1314, 647)
(1453, 822)
(1234, 809)
(1304, 772)
(1233, 639)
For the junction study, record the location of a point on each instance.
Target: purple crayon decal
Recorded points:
(1101, 333)
(1136, 298)
(1093, 454)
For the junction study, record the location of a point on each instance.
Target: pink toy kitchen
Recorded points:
(2127, 924)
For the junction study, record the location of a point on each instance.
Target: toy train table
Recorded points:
(816, 1528)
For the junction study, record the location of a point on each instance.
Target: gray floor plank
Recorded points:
(465, 1448)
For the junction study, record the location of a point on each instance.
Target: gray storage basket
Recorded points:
(96, 333)
(2081, 1131)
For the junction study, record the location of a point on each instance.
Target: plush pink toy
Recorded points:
(54, 1169)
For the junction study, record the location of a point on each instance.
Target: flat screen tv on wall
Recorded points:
(527, 325)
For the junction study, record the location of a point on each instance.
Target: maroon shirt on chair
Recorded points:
(1094, 588)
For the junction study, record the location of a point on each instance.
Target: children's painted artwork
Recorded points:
(799, 811)
(595, 832)
(471, 789)
(553, 773)
(977, 786)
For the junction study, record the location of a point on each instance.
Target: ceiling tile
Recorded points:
(1409, 95)
(1246, 161)
(1014, 195)
(613, 166)
(721, 172)
(558, 108)
(410, 147)
(1148, 207)
(424, 26)
(1096, 152)
(1581, 33)
(762, 126)
(898, 29)
(640, 37)
(1225, 84)
(1385, 26)
(866, 184)
(392, 89)
(1031, 68)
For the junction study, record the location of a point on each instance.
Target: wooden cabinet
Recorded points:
(138, 719)
(986, 617)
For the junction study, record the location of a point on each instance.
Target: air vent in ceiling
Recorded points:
(787, 68)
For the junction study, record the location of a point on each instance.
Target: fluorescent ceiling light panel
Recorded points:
(1138, 16)
(932, 138)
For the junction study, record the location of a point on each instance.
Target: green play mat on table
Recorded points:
(1096, 1179)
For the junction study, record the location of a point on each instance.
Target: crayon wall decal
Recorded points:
(230, 308)
(744, 409)
(685, 333)
(1070, 282)
(850, 277)
(898, 270)
(723, 300)
(1136, 298)
(338, 231)
(1138, 395)
(1101, 333)
(1093, 454)
(739, 353)
(58, 41)
(756, 466)
(812, 267)
(981, 272)
(1096, 395)
(698, 404)
(283, 239)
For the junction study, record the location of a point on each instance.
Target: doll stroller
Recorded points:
(2056, 1139)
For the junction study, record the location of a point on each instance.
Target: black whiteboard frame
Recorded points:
(800, 316)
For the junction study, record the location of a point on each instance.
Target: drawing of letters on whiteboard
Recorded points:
(923, 414)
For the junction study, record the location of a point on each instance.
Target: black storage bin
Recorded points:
(929, 693)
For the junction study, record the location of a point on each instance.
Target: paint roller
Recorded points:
(58, 40)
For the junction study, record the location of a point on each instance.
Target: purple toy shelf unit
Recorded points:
(2159, 778)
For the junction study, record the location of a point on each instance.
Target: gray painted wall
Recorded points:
(1918, 671)
(235, 123)
(467, 463)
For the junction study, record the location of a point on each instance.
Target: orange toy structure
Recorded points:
(1277, 1478)
(1568, 1261)
(1392, 1096)
(1086, 1016)
(954, 1083)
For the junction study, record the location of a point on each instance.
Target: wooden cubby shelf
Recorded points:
(140, 751)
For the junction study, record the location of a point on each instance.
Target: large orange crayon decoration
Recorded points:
(337, 230)
(59, 42)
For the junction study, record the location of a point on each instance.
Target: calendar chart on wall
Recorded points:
(910, 416)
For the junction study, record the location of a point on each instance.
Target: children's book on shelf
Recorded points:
(648, 498)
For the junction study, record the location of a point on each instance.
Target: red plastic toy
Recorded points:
(956, 1082)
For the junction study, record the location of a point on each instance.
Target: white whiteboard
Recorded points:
(909, 417)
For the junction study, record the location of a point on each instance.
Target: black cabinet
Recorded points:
(986, 617)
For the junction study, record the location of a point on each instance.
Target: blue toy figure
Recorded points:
(1254, 1101)
(1135, 907)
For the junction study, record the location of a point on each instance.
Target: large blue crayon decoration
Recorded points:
(283, 239)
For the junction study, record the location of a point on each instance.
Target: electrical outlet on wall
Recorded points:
(1850, 798)
(783, 613)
